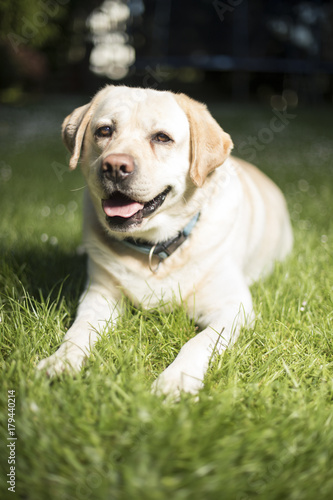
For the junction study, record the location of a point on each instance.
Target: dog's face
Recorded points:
(144, 153)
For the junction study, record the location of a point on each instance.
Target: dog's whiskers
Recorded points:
(78, 189)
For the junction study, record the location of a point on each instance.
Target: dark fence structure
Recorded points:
(238, 48)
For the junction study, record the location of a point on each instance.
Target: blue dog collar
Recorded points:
(166, 248)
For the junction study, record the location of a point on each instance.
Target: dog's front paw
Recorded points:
(60, 362)
(174, 380)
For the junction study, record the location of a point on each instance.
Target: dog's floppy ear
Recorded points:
(75, 125)
(210, 145)
(73, 130)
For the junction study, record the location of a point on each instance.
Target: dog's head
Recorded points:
(144, 153)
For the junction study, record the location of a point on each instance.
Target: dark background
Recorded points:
(229, 50)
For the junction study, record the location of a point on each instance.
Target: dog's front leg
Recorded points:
(187, 371)
(95, 311)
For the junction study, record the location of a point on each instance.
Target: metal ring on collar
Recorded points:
(150, 260)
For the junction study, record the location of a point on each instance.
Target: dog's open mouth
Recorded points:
(122, 212)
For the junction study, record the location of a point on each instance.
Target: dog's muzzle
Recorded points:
(123, 213)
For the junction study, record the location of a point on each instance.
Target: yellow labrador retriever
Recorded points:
(168, 213)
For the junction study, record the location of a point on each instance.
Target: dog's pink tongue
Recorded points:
(121, 207)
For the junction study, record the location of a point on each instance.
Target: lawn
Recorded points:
(262, 427)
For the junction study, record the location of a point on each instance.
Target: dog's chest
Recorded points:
(152, 289)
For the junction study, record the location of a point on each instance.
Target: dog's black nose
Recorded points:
(117, 167)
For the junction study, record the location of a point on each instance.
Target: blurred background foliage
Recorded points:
(239, 49)
(20, 23)
(36, 36)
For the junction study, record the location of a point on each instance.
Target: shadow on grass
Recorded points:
(42, 271)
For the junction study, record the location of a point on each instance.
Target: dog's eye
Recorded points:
(105, 131)
(161, 137)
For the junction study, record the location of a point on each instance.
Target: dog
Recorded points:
(168, 213)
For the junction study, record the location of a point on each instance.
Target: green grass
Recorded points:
(263, 425)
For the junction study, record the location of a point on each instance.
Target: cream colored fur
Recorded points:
(242, 230)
